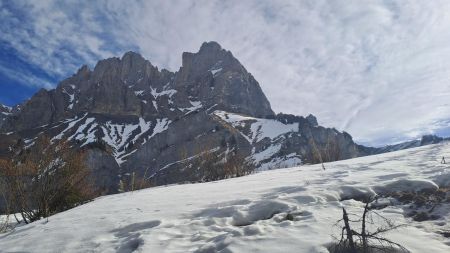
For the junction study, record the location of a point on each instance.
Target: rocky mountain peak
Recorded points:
(84, 70)
(132, 86)
(132, 63)
(107, 68)
(209, 56)
(209, 47)
(132, 56)
(218, 79)
(312, 120)
(130, 68)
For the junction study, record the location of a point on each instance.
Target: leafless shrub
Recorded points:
(365, 241)
(134, 182)
(45, 179)
(324, 152)
(332, 150)
(210, 166)
(317, 154)
(426, 200)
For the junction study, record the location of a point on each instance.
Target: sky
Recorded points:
(379, 70)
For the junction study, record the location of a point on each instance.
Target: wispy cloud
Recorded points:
(24, 77)
(53, 36)
(376, 69)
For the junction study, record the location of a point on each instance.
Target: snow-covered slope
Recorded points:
(272, 132)
(259, 128)
(247, 214)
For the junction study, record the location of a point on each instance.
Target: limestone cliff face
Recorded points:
(132, 117)
(132, 86)
(218, 79)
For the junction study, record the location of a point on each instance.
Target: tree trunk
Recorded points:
(349, 232)
(363, 229)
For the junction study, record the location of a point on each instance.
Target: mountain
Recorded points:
(133, 118)
(423, 141)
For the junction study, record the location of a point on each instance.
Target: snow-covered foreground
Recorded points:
(236, 215)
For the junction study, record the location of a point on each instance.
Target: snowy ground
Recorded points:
(234, 215)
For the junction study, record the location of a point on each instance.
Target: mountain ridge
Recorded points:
(133, 118)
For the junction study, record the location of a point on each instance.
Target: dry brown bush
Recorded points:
(205, 162)
(328, 152)
(45, 179)
(212, 167)
(134, 182)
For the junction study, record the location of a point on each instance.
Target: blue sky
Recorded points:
(13, 87)
(377, 69)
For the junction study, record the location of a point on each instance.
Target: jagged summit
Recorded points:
(211, 48)
(83, 70)
(215, 76)
(132, 86)
(209, 54)
(210, 45)
(132, 55)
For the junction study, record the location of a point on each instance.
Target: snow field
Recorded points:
(249, 214)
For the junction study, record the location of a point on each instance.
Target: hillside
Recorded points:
(248, 214)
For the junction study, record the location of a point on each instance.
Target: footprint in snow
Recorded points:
(129, 236)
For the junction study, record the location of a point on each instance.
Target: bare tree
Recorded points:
(235, 165)
(332, 150)
(365, 241)
(317, 156)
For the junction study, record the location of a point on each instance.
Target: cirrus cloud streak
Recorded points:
(376, 69)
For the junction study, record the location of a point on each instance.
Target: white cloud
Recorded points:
(376, 69)
(25, 77)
